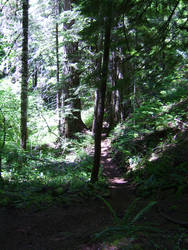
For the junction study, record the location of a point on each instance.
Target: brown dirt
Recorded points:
(72, 227)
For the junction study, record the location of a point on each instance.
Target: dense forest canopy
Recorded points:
(132, 53)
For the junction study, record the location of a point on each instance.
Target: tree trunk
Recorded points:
(98, 65)
(3, 141)
(95, 111)
(73, 121)
(35, 77)
(101, 101)
(59, 100)
(24, 84)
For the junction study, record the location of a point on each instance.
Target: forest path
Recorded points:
(121, 191)
(110, 169)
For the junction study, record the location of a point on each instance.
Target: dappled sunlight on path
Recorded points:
(118, 180)
(110, 169)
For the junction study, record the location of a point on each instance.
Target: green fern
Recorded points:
(112, 211)
(125, 226)
(144, 210)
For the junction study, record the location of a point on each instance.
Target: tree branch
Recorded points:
(166, 24)
(3, 5)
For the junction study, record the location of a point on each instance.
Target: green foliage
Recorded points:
(9, 105)
(43, 177)
(125, 226)
(42, 124)
(140, 144)
(40, 183)
(162, 175)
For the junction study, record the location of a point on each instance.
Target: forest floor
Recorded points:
(72, 226)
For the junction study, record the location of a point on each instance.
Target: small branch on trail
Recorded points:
(49, 129)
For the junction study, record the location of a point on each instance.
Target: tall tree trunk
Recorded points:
(112, 105)
(24, 84)
(101, 101)
(98, 65)
(73, 121)
(95, 111)
(3, 141)
(59, 85)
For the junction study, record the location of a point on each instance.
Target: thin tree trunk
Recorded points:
(24, 84)
(101, 102)
(35, 77)
(95, 111)
(59, 87)
(2, 144)
(98, 64)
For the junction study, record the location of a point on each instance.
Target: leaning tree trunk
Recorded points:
(101, 101)
(24, 84)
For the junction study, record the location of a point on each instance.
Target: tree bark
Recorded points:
(24, 84)
(3, 141)
(73, 121)
(35, 77)
(98, 65)
(95, 111)
(101, 100)
(59, 101)
(59, 86)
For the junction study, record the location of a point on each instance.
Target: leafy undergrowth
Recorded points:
(36, 195)
(151, 150)
(47, 178)
(154, 154)
(161, 164)
(141, 226)
(127, 225)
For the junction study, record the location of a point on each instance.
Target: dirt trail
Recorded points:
(122, 193)
(110, 170)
